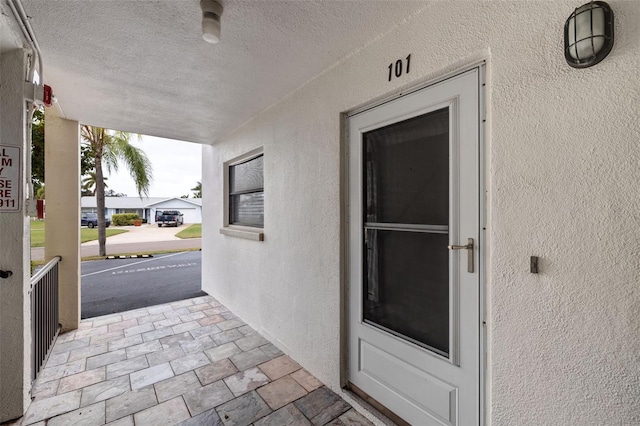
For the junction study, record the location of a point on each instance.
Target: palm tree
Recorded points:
(109, 148)
(89, 183)
(197, 190)
(40, 194)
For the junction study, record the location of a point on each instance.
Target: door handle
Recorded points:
(469, 248)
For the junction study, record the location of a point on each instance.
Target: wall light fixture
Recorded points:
(588, 34)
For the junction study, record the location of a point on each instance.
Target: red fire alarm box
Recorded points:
(47, 96)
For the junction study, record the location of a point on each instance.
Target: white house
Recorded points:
(419, 201)
(147, 207)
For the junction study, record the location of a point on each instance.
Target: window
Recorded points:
(137, 211)
(246, 193)
(245, 197)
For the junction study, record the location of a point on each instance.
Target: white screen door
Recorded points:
(414, 285)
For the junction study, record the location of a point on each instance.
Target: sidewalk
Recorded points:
(139, 239)
(191, 362)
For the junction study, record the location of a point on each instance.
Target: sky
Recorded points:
(177, 167)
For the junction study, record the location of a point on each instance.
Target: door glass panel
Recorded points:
(407, 171)
(406, 286)
(406, 216)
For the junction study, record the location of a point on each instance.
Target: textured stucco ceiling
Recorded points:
(142, 66)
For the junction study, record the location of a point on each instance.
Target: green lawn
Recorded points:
(86, 234)
(37, 233)
(194, 231)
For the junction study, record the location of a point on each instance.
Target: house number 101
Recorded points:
(396, 69)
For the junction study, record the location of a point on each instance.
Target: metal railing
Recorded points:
(44, 314)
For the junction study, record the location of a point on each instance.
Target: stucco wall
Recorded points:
(62, 234)
(563, 161)
(15, 305)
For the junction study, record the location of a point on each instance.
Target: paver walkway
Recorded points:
(191, 362)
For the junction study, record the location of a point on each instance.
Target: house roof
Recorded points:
(142, 66)
(134, 202)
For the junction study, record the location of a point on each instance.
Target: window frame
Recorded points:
(235, 230)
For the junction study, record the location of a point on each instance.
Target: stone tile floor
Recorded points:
(191, 362)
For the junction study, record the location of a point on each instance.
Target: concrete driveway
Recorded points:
(144, 233)
(139, 239)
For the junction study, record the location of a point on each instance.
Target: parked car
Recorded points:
(91, 220)
(170, 218)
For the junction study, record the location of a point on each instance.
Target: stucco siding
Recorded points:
(562, 161)
(15, 305)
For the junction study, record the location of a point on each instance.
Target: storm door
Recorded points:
(414, 314)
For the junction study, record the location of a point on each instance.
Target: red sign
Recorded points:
(47, 96)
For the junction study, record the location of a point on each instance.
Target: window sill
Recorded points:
(256, 234)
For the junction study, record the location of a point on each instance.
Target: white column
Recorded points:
(62, 230)
(15, 307)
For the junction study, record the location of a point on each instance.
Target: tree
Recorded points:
(37, 154)
(112, 193)
(87, 160)
(197, 190)
(37, 150)
(109, 148)
(89, 183)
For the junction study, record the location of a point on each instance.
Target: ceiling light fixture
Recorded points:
(211, 13)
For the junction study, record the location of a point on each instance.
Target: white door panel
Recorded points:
(414, 307)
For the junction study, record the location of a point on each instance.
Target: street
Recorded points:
(117, 285)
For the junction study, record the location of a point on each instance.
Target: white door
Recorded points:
(414, 288)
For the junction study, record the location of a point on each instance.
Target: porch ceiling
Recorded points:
(142, 66)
